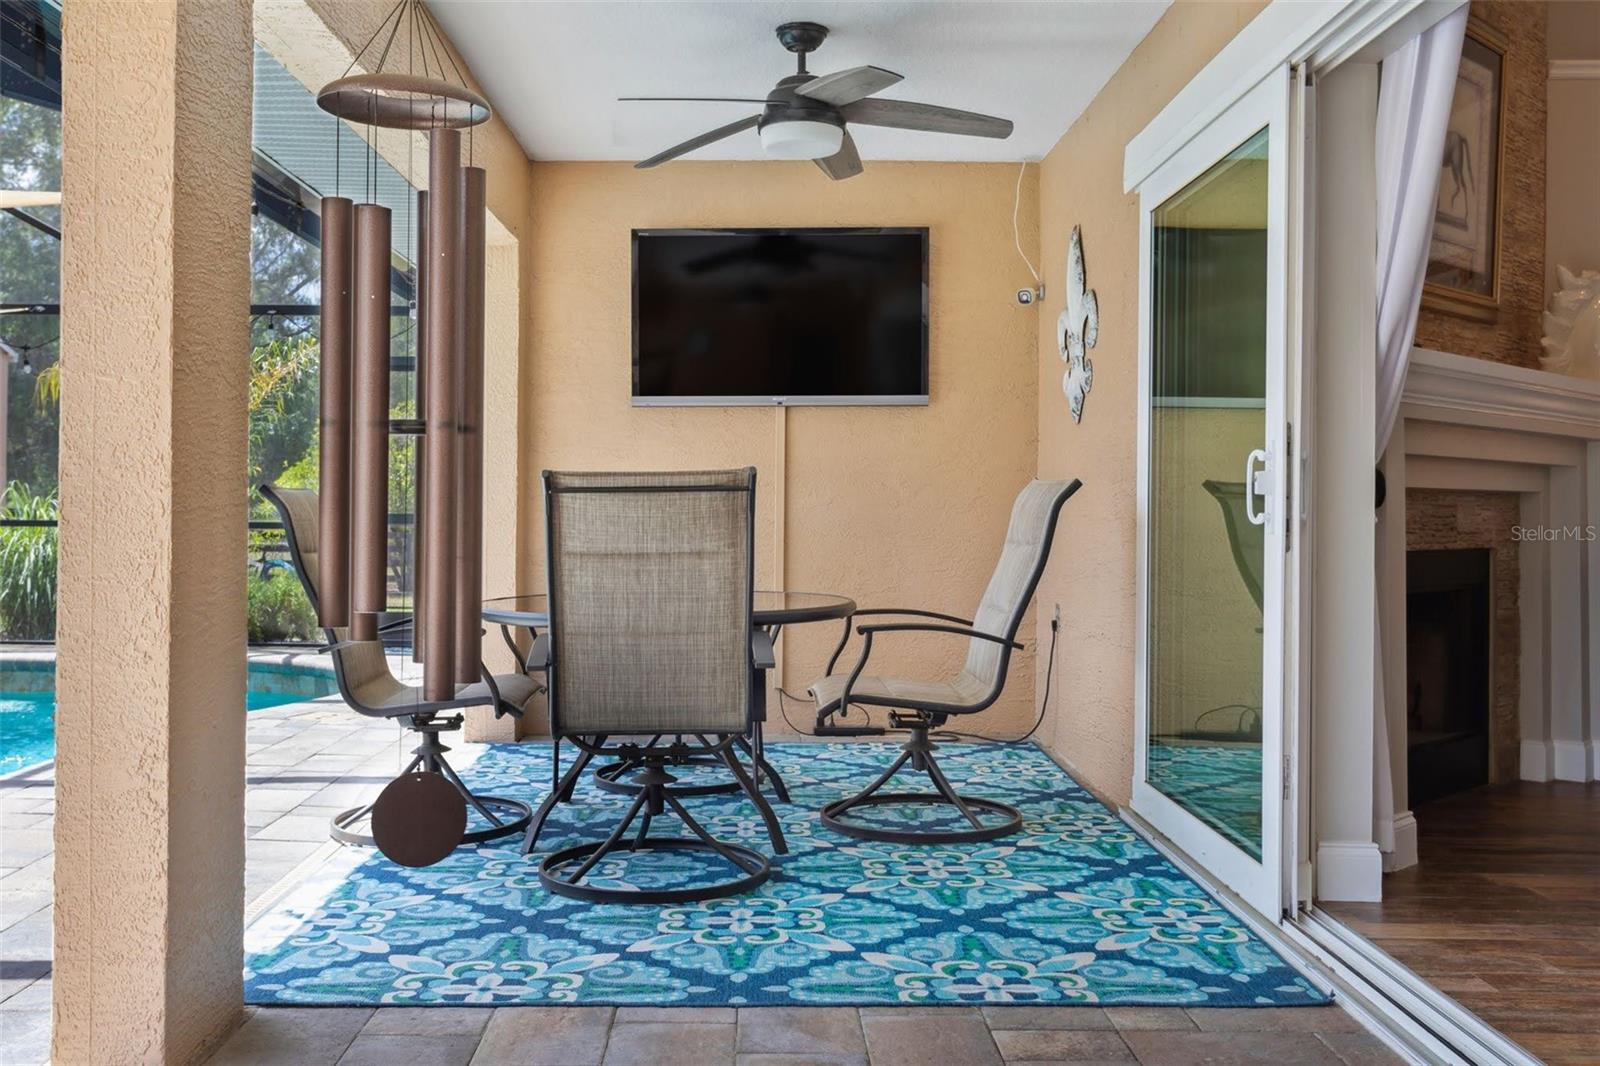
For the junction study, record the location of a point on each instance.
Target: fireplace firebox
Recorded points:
(1447, 670)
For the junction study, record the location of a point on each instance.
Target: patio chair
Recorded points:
(650, 637)
(921, 706)
(370, 688)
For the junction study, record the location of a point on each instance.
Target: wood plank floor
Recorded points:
(1502, 911)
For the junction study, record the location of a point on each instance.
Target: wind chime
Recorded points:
(356, 255)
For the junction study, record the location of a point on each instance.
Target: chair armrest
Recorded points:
(761, 652)
(539, 654)
(869, 632)
(923, 627)
(914, 613)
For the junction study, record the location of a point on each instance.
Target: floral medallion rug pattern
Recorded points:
(1074, 909)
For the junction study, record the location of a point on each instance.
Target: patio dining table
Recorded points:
(771, 611)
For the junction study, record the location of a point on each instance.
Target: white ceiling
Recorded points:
(553, 70)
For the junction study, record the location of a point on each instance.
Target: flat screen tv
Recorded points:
(780, 316)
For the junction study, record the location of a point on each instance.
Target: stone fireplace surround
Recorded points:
(1488, 433)
(1449, 519)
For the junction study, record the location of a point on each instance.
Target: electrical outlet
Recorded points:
(1055, 619)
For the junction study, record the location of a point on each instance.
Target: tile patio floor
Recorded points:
(797, 1036)
(304, 763)
(307, 761)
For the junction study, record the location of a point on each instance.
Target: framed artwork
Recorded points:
(1464, 255)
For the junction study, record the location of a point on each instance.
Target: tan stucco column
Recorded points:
(150, 687)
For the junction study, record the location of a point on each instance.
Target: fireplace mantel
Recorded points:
(1445, 387)
(1473, 425)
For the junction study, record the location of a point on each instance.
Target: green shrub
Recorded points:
(277, 609)
(28, 566)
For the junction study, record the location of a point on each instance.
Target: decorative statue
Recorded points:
(1572, 325)
(1077, 329)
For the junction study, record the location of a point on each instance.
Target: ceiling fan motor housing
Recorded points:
(804, 116)
(797, 127)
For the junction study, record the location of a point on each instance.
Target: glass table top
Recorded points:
(772, 608)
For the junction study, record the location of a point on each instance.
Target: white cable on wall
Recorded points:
(1016, 234)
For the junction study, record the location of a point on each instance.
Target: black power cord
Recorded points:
(1044, 705)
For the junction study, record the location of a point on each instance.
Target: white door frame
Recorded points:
(1259, 881)
(1316, 35)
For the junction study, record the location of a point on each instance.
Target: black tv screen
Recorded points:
(780, 316)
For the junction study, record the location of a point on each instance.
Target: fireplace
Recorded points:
(1448, 658)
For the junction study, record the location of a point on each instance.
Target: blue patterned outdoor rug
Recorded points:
(1075, 909)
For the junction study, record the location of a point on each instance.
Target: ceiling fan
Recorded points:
(806, 116)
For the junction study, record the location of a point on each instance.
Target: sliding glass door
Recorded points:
(1209, 770)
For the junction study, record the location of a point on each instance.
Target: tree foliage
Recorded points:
(282, 408)
(30, 159)
(28, 566)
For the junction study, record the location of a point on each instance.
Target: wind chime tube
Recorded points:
(369, 480)
(419, 332)
(444, 306)
(333, 519)
(469, 457)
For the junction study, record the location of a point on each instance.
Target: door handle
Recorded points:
(1257, 482)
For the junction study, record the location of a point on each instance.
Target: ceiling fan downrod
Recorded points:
(801, 38)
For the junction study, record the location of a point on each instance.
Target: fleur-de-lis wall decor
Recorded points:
(1077, 329)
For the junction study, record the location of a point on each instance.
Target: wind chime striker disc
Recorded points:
(418, 819)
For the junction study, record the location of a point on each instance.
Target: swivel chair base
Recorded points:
(617, 778)
(655, 797)
(918, 751)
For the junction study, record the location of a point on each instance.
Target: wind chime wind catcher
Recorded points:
(356, 257)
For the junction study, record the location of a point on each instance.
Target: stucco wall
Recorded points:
(892, 506)
(1090, 720)
(149, 860)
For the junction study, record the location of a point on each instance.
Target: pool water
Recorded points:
(28, 719)
(27, 729)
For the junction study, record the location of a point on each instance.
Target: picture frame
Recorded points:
(1463, 274)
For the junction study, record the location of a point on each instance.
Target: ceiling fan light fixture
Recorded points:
(801, 139)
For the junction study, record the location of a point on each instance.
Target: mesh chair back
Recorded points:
(1027, 547)
(362, 670)
(650, 579)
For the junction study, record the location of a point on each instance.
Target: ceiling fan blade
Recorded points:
(693, 99)
(845, 163)
(848, 86)
(905, 115)
(699, 142)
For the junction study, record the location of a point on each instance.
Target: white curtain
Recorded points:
(1414, 95)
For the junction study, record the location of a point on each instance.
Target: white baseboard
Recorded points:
(1535, 760)
(1349, 871)
(1572, 760)
(1405, 843)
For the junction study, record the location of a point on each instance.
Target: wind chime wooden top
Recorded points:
(356, 421)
